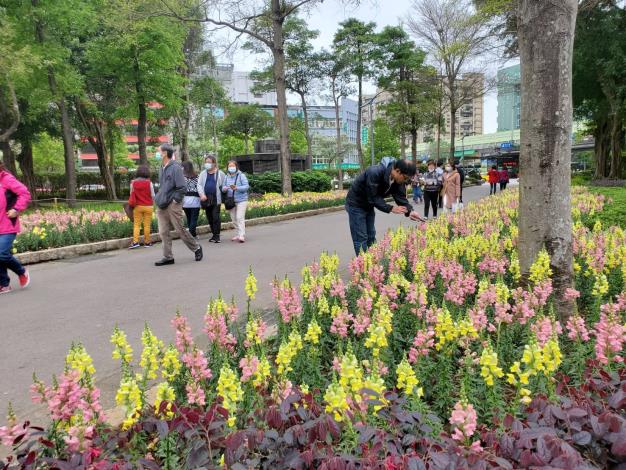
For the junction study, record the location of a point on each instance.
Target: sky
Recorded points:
(326, 18)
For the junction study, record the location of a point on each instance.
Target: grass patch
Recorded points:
(614, 212)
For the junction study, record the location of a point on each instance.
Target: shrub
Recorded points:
(302, 181)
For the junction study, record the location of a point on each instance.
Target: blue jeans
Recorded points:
(7, 260)
(362, 228)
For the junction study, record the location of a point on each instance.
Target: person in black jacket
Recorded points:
(369, 191)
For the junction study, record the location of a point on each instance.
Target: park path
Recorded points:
(82, 299)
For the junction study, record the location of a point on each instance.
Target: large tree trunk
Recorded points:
(8, 158)
(617, 141)
(9, 113)
(307, 134)
(25, 160)
(68, 147)
(359, 147)
(403, 145)
(601, 148)
(278, 52)
(545, 152)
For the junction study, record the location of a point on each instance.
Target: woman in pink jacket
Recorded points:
(14, 198)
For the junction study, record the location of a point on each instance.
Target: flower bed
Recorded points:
(53, 229)
(429, 356)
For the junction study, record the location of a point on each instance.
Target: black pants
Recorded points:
(493, 187)
(503, 185)
(192, 219)
(214, 217)
(431, 198)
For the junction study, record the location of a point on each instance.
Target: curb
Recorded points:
(53, 254)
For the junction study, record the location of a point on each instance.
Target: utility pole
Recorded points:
(372, 129)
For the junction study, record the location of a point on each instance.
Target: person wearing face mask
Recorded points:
(235, 188)
(451, 186)
(210, 182)
(191, 201)
(369, 191)
(432, 182)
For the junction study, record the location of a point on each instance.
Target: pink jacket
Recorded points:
(9, 182)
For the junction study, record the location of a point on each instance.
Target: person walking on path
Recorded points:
(451, 187)
(172, 188)
(461, 171)
(235, 188)
(493, 177)
(191, 201)
(504, 178)
(418, 196)
(14, 198)
(440, 172)
(432, 186)
(142, 201)
(210, 182)
(369, 191)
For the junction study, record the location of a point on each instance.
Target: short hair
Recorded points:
(188, 170)
(405, 167)
(143, 171)
(234, 163)
(452, 163)
(168, 149)
(494, 167)
(210, 156)
(430, 162)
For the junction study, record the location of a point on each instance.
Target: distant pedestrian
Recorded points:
(235, 188)
(440, 173)
(418, 196)
(169, 199)
(461, 171)
(494, 178)
(451, 187)
(14, 198)
(432, 187)
(504, 178)
(191, 201)
(369, 190)
(210, 183)
(142, 201)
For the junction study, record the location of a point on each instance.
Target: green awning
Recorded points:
(464, 153)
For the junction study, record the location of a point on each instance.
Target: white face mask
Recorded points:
(208, 166)
(431, 168)
(232, 169)
(448, 168)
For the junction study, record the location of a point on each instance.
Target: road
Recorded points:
(82, 299)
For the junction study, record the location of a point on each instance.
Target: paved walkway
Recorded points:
(82, 299)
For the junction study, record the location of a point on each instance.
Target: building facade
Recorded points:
(322, 122)
(509, 98)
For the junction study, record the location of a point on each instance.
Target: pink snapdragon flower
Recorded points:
(184, 340)
(577, 329)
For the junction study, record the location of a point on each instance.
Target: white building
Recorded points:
(238, 86)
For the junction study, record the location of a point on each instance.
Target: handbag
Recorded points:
(229, 201)
(129, 211)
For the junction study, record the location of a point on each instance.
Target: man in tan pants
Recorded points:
(172, 189)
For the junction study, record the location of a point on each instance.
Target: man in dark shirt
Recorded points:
(369, 190)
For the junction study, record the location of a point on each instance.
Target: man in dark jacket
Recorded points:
(169, 201)
(369, 190)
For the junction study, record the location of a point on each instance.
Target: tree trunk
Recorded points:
(414, 140)
(601, 149)
(617, 140)
(278, 53)
(68, 147)
(307, 134)
(8, 158)
(359, 147)
(66, 127)
(545, 149)
(9, 114)
(142, 131)
(403, 145)
(25, 160)
(338, 157)
(452, 128)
